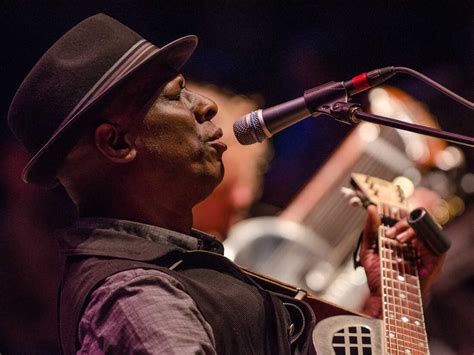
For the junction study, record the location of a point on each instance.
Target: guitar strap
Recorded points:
(321, 308)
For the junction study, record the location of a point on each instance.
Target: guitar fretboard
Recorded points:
(404, 325)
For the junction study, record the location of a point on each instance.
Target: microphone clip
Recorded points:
(342, 111)
(331, 99)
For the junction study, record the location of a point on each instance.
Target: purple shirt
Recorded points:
(143, 311)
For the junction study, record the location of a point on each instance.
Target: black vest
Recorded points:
(245, 318)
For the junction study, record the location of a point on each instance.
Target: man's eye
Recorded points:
(173, 96)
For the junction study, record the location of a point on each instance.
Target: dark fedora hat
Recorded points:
(73, 77)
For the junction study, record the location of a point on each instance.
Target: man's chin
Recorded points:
(210, 181)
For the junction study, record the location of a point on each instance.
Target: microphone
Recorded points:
(259, 125)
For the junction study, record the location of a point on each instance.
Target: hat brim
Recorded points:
(41, 168)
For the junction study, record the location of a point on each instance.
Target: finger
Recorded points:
(406, 236)
(397, 228)
(426, 260)
(371, 228)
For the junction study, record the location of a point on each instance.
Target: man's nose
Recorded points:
(204, 109)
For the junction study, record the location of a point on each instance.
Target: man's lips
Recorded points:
(219, 146)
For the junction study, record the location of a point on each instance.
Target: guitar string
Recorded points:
(384, 281)
(394, 339)
(408, 272)
(420, 304)
(382, 252)
(414, 270)
(400, 275)
(392, 342)
(394, 261)
(402, 288)
(393, 300)
(397, 272)
(389, 247)
(413, 273)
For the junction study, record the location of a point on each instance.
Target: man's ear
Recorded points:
(115, 144)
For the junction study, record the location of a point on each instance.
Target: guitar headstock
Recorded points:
(388, 197)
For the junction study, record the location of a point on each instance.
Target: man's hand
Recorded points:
(429, 265)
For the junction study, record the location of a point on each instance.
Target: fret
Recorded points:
(414, 343)
(416, 325)
(412, 299)
(405, 352)
(390, 261)
(401, 279)
(399, 282)
(397, 312)
(415, 340)
(402, 310)
(401, 276)
(416, 333)
(402, 297)
(395, 264)
(415, 348)
(405, 346)
(391, 246)
(401, 290)
(402, 294)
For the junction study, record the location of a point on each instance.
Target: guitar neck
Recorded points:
(404, 325)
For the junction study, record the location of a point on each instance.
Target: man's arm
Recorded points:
(143, 311)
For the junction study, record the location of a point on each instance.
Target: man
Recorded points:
(108, 115)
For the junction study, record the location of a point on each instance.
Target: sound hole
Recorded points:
(352, 341)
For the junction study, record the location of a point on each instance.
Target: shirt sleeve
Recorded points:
(143, 312)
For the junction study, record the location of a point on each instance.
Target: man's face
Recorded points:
(177, 143)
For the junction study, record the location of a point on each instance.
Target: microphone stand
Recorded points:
(351, 113)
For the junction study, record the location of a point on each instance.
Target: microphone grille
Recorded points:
(249, 130)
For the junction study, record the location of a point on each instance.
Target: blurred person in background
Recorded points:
(244, 166)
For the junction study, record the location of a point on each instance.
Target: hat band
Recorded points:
(139, 53)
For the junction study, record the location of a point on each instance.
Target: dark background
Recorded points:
(277, 49)
(273, 49)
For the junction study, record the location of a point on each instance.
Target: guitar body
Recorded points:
(348, 335)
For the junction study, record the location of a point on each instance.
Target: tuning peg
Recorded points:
(348, 193)
(351, 197)
(356, 202)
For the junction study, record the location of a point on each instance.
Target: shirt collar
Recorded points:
(197, 240)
